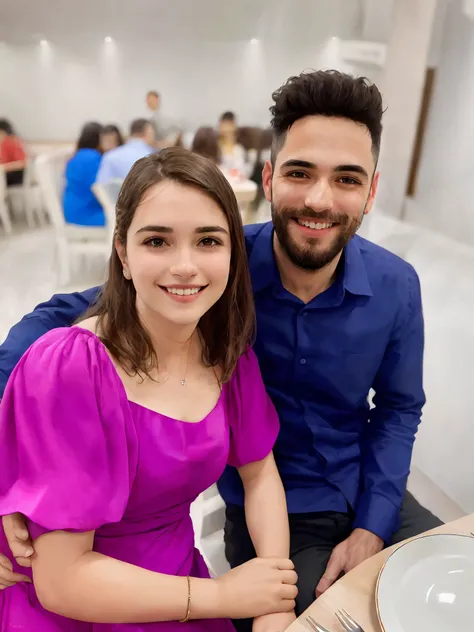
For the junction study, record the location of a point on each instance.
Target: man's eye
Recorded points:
(348, 180)
(298, 175)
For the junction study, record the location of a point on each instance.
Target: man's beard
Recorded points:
(310, 256)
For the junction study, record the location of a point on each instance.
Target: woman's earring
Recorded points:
(127, 274)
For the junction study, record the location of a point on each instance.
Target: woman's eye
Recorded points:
(155, 242)
(209, 242)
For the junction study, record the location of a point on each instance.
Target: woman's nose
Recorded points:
(184, 266)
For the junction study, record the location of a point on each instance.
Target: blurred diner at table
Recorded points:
(79, 202)
(111, 138)
(233, 155)
(117, 162)
(12, 154)
(206, 143)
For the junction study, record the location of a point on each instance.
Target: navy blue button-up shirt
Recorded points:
(319, 362)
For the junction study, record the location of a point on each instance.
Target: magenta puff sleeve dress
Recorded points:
(76, 455)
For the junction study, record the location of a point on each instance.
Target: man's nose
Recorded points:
(320, 196)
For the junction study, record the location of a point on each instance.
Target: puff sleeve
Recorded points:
(68, 447)
(253, 420)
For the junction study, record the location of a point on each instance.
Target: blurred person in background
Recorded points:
(12, 154)
(232, 154)
(206, 143)
(111, 138)
(166, 134)
(117, 162)
(79, 202)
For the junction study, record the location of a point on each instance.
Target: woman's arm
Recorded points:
(265, 508)
(74, 581)
(267, 521)
(17, 165)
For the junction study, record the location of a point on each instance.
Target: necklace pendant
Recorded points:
(183, 382)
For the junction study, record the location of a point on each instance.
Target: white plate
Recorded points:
(427, 585)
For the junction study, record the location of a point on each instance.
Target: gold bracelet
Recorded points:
(188, 608)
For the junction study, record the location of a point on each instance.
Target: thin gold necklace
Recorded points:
(183, 380)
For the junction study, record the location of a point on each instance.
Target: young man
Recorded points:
(337, 316)
(117, 162)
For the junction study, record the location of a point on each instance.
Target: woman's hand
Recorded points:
(259, 587)
(273, 622)
(18, 538)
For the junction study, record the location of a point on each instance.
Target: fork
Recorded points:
(315, 626)
(348, 622)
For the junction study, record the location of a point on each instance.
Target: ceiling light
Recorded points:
(43, 42)
(108, 40)
(254, 40)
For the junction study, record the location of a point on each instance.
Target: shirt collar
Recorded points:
(137, 141)
(264, 270)
(355, 272)
(263, 267)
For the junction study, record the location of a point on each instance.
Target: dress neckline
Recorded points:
(103, 350)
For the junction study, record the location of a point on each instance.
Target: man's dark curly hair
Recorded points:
(326, 93)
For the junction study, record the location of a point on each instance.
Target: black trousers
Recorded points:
(14, 177)
(313, 537)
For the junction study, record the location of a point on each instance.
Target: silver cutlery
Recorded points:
(315, 626)
(348, 622)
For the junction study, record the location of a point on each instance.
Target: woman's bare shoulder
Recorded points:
(90, 324)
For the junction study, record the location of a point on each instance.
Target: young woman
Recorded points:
(233, 158)
(110, 429)
(80, 204)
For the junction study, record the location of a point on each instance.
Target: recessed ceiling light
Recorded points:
(43, 42)
(108, 40)
(254, 40)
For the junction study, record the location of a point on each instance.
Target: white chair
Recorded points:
(208, 516)
(70, 239)
(4, 211)
(107, 194)
(26, 197)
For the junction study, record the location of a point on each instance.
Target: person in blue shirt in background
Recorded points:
(117, 162)
(337, 316)
(79, 202)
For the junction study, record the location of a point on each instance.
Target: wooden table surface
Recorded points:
(355, 592)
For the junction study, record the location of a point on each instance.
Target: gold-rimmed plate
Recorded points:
(427, 585)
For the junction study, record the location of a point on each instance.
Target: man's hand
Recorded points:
(18, 538)
(277, 622)
(358, 547)
(7, 576)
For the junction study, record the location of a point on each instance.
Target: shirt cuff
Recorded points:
(377, 514)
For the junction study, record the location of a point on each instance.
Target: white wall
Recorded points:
(444, 200)
(48, 92)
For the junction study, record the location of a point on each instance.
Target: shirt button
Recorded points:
(303, 361)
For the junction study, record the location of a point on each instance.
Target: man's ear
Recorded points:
(267, 175)
(372, 193)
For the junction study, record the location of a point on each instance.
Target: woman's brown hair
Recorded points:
(227, 329)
